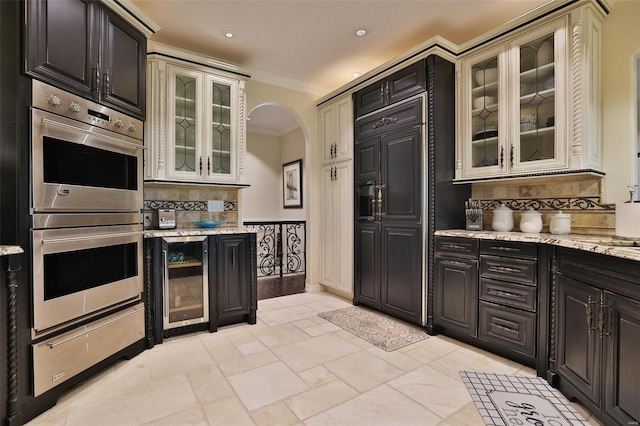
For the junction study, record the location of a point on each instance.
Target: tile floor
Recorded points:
(291, 368)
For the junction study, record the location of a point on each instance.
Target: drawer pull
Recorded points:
(504, 328)
(505, 294)
(453, 247)
(455, 262)
(502, 248)
(503, 269)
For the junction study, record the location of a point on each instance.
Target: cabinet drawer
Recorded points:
(507, 327)
(394, 118)
(507, 269)
(509, 248)
(508, 294)
(464, 247)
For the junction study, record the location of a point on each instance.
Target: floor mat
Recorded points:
(508, 400)
(378, 329)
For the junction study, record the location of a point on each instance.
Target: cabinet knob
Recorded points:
(74, 107)
(53, 99)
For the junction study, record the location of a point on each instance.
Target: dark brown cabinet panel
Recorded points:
(367, 160)
(398, 86)
(578, 353)
(456, 294)
(510, 328)
(235, 279)
(124, 67)
(401, 172)
(61, 41)
(401, 116)
(598, 333)
(622, 368)
(367, 264)
(85, 48)
(401, 277)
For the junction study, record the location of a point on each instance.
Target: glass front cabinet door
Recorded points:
(513, 106)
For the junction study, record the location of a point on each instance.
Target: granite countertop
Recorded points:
(185, 232)
(8, 250)
(603, 244)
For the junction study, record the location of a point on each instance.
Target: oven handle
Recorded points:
(89, 132)
(92, 329)
(90, 237)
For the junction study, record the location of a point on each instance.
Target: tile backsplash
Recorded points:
(190, 202)
(577, 195)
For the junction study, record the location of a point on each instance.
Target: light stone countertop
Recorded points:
(627, 249)
(186, 232)
(9, 250)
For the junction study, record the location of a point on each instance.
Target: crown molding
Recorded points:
(134, 16)
(287, 82)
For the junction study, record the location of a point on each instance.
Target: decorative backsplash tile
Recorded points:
(578, 195)
(190, 203)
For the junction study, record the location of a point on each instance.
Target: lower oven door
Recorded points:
(81, 271)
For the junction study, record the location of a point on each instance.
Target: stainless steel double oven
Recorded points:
(86, 192)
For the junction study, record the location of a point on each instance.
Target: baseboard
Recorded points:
(313, 288)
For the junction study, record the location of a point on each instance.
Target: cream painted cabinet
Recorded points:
(196, 126)
(337, 226)
(336, 130)
(523, 102)
(336, 194)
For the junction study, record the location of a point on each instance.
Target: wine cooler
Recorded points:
(185, 281)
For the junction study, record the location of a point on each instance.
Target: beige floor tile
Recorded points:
(221, 349)
(246, 363)
(277, 414)
(434, 390)
(382, 406)
(314, 351)
(289, 314)
(352, 338)
(363, 371)
(396, 358)
(191, 417)
(269, 305)
(265, 385)
(144, 404)
(430, 349)
(304, 323)
(227, 412)
(205, 375)
(317, 376)
(321, 398)
(466, 416)
(213, 391)
(321, 329)
(251, 347)
(279, 335)
(178, 357)
(474, 359)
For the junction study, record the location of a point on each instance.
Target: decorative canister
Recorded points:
(531, 221)
(560, 223)
(502, 220)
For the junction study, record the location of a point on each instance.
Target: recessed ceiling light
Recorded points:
(361, 33)
(227, 34)
(356, 74)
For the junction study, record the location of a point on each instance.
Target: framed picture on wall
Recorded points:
(292, 185)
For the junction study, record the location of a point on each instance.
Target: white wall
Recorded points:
(620, 47)
(266, 154)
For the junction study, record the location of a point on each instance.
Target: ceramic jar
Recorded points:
(502, 220)
(560, 223)
(531, 221)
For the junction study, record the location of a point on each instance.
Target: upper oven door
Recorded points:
(81, 271)
(82, 168)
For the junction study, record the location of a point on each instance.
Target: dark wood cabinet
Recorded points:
(367, 264)
(233, 279)
(597, 333)
(456, 285)
(398, 86)
(85, 48)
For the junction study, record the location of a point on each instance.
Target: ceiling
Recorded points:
(312, 43)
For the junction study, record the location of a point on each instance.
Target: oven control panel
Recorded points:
(58, 101)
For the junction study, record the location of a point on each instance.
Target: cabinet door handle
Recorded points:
(503, 269)
(511, 156)
(201, 165)
(208, 165)
(96, 81)
(107, 82)
(379, 190)
(601, 318)
(589, 314)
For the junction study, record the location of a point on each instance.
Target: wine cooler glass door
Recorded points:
(185, 281)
